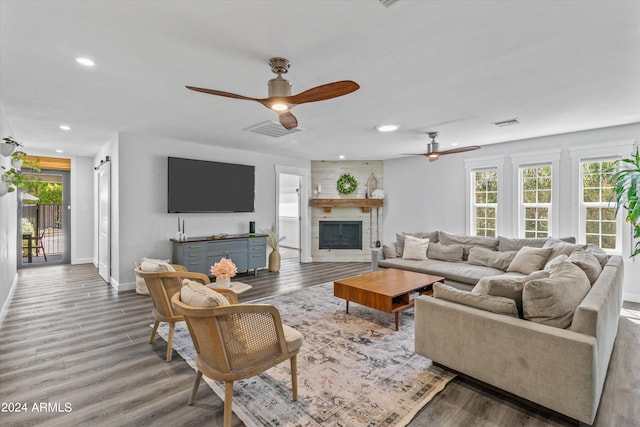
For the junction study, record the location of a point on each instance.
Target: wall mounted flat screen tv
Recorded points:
(203, 186)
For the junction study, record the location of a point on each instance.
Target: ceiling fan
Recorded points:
(280, 99)
(433, 152)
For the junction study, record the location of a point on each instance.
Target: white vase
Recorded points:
(4, 188)
(6, 149)
(17, 163)
(223, 282)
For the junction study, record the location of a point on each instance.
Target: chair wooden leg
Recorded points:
(228, 396)
(153, 332)
(294, 377)
(172, 327)
(194, 389)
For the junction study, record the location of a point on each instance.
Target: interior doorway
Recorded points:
(43, 218)
(289, 215)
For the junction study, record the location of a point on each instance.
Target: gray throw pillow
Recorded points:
(554, 262)
(599, 253)
(508, 244)
(559, 247)
(529, 259)
(451, 253)
(468, 242)
(390, 251)
(553, 301)
(491, 303)
(507, 286)
(587, 262)
(483, 256)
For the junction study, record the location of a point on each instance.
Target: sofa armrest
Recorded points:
(553, 367)
(376, 256)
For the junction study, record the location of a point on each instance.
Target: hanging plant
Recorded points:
(7, 145)
(347, 184)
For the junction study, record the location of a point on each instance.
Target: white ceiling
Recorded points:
(449, 66)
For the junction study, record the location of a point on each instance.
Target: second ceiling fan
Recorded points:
(433, 150)
(280, 99)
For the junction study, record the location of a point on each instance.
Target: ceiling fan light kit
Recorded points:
(280, 99)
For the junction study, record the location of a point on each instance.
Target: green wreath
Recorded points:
(347, 184)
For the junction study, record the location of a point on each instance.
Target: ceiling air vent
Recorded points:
(387, 3)
(272, 129)
(504, 123)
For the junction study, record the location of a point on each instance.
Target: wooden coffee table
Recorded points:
(387, 290)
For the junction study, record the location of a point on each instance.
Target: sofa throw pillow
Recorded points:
(508, 244)
(553, 301)
(198, 295)
(559, 247)
(483, 256)
(415, 248)
(400, 238)
(599, 253)
(390, 250)
(155, 266)
(507, 286)
(529, 259)
(451, 253)
(587, 262)
(491, 303)
(468, 242)
(554, 262)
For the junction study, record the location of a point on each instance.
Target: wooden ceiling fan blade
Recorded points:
(221, 93)
(323, 92)
(288, 120)
(459, 150)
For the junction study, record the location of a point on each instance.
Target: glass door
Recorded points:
(44, 219)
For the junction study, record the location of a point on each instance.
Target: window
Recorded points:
(597, 209)
(535, 201)
(485, 204)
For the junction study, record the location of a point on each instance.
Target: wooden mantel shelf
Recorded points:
(364, 204)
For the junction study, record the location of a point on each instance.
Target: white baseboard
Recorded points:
(82, 261)
(632, 297)
(122, 287)
(5, 306)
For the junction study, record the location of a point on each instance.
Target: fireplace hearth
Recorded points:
(340, 235)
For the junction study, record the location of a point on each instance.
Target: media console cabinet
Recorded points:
(200, 253)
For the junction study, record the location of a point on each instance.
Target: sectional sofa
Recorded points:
(536, 318)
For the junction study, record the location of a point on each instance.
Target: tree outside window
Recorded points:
(485, 202)
(535, 201)
(598, 210)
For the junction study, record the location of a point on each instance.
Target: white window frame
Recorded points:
(471, 166)
(606, 151)
(536, 159)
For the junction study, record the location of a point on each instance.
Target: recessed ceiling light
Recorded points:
(341, 156)
(59, 151)
(386, 128)
(453, 144)
(85, 61)
(65, 127)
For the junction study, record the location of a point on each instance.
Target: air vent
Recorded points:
(387, 3)
(504, 123)
(272, 129)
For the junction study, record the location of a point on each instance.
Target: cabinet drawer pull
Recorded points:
(195, 246)
(195, 255)
(195, 263)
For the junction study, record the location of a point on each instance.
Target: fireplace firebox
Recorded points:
(340, 235)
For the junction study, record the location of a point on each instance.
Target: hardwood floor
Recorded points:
(79, 351)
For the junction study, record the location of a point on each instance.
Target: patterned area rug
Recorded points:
(353, 369)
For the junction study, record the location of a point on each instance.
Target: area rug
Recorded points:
(353, 369)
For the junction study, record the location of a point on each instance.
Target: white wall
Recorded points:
(141, 226)
(82, 207)
(424, 196)
(8, 230)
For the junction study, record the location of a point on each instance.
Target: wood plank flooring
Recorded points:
(79, 351)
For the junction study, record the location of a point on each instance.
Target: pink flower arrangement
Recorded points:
(224, 268)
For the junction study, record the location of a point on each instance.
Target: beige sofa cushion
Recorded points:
(599, 253)
(552, 301)
(554, 262)
(451, 253)
(588, 263)
(483, 256)
(508, 286)
(198, 295)
(468, 242)
(509, 244)
(491, 303)
(415, 248)
(529, 259)
(559, 247)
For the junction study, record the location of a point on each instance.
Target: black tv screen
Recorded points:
(203, 186)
